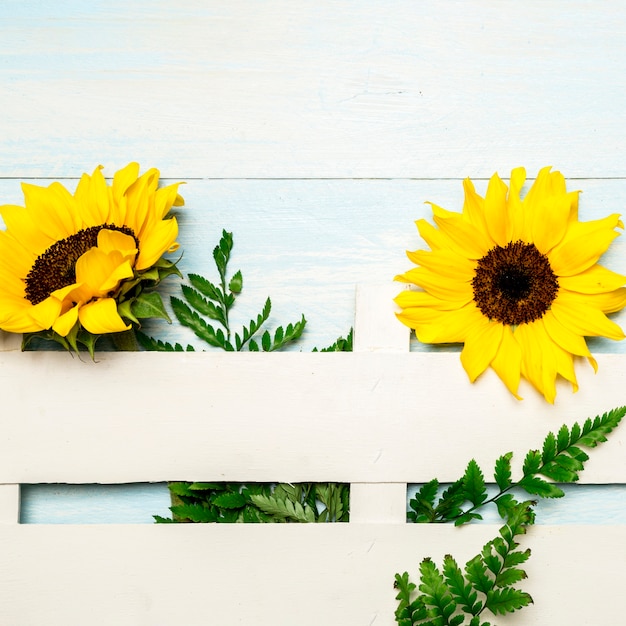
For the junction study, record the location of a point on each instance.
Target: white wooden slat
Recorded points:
(337, 575)
(375, 326)
(9, 504)
(375, 329)
(367, 417)
(313, 89)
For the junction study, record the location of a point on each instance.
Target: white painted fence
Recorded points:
(379, 419)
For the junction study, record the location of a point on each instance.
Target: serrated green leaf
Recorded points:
(149, 305)
(205, 287)
(555, 472)
(476, 574)
(507, 600)
(192, 320)
(193, 513)
(538, 487)
(229, 500)
(266, 341)
(562, 438)
(236, 283)
(461, 590)
(505, 504)
(434, 589)
(510, 576)
(549, 448)
(502, 471)
(202, 305)
(474, 484)
(532, 462)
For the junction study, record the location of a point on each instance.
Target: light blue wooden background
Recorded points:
(314, 131)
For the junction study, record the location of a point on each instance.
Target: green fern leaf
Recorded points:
(532, 462)
(205, 287)
(193, 513)
(462, 591)
(507, 600)
(539, 487)
(502, 471)
(476, 574)
(192, 320)
(549, 448)
(230, 500)
(474, 484)
(202, 305)
(435, 592)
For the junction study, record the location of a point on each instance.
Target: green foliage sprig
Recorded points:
(205, 303)
(258, 502)
(449, 596)
(560, 460)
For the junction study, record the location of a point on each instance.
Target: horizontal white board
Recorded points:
(336, 575)
(313, 89)
(366, 417)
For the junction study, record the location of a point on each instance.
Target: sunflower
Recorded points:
(516, 281)
(76, 262)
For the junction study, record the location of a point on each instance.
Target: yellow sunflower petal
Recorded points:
(161, 239)
(473, 205)
(610, 302)
(538, 358)
(576, 313)
(93, 199)
(496, 215)
(466, 239)
(583, 244)
(102, 272)
(440, 286)
(140, 202)
(436, 326)
(45, 312)
(409, 298)
(550, 223)
(66, 321)
(481, 346)
(101, 316)
(50, 209)
(445, 262)
(110, 240)
(165, 198)
(567, 339)
(15, 316)
(596, 279)
(516, 216)
(507, 362)
(22, 227)
(14, 257)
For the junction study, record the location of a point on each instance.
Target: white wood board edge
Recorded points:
(258, 574)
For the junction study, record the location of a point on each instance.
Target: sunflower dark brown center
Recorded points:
(56, 267)
(514, 284)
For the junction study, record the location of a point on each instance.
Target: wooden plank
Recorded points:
(9, 504)
(367, 417)
(252, 574)
(317, 89)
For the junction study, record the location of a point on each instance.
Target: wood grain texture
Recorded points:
(368, 417)
(314, 89)
(339, 574)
